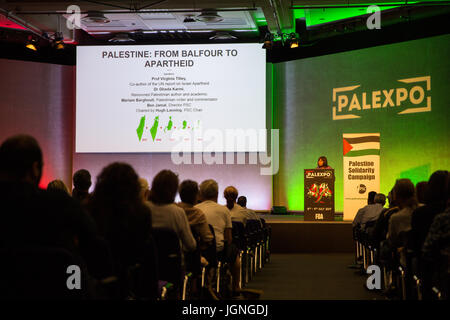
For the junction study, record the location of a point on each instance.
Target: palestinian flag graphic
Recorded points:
(364, 144)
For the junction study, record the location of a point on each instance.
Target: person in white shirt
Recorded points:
(237, 212)
(370, 202)
(219, 218)
(165, 213)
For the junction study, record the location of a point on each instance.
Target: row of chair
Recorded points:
(253, 242)
(214, 280)
(405, 274)
(42, 272)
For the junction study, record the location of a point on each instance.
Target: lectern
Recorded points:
(319, 195)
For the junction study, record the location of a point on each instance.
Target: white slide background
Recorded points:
(105, 123)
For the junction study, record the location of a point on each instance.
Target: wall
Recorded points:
(412, 145)
(37, 99)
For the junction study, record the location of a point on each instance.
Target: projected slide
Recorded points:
(166, 98)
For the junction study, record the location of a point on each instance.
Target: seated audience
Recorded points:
(219, 218)
(124, 221)
(82, 183)
(188, 193)
(145, 191)
(251, 215)
(237, 212)
(57, 186)
(435, 202)
(438, 237)
(33, 217)
(372, 212)
(401, 221)
(165, 213)
(380, 230)
(361, 212)
(421, 192)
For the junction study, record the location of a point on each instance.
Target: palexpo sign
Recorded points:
(415, 99)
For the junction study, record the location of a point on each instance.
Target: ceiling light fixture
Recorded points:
(209, 16)
(95, 17)
(121, 37)
(222, 36)
(31, 43)
(268, 41)
(59, 41)
(293, 41)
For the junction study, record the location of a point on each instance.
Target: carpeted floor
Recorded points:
(311, 277)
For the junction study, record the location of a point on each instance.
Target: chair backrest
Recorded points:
(210, 253)
(193, 259)
(263, 221)
(169, 255)
(254, 231)
(370, 224)
(143, 277)
(41, 273)
(238, 232)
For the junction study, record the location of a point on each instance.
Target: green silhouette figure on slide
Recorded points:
(169, 125)
(140, 129)
(154, 129)
(184, 124)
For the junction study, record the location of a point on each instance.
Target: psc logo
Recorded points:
(413, 97)
(362, 188)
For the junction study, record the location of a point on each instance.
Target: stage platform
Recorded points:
(291, 234)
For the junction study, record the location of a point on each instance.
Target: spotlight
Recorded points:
(293, 41)
(268, 41)
(31, 43)
(59, 43)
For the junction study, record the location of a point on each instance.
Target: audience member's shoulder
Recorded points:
(174, 207)
(400, 215)
(224, 208)
(182, 205)
(420, 211)
(442, 218)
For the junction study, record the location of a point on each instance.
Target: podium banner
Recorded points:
(319, 195)
(361, 170)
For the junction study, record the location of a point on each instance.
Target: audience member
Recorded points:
(82, 183)
(145, 191)
(435, 202)
(251, 215)
(421, 192)
(188, 193)
(237, 212)
(372, 216)
(124, 222)
(438, 237)
(369, 207)
(165, 213)
(382, 225)
(401, 221)
(57, 186)
(32, 217)
(219, 218)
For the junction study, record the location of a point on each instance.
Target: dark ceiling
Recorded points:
(319, 26)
